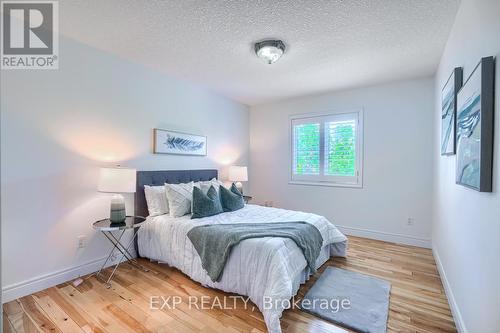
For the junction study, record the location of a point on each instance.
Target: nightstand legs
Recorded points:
(124, 250)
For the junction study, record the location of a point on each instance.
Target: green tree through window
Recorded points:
(307, 149)
(327, 149)
(340, 148)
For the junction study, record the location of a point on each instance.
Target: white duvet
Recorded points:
(261, 268)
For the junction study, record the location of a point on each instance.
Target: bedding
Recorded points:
(214, 242)
(280, 262)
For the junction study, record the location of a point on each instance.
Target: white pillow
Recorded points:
(156, 200)
(179, 198)
(205, 185)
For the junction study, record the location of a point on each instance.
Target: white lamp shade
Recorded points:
(238, 173)
(117, 180)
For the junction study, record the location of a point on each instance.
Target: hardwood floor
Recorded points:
(417, 303)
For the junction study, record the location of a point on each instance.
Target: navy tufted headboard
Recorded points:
(162, 177)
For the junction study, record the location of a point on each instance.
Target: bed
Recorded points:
(267, 270)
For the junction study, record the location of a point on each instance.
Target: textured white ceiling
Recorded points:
(331, 45)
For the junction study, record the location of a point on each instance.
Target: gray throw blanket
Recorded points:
(214, 242)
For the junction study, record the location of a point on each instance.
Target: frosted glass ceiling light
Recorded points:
(270, 50)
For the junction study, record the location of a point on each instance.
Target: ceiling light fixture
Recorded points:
(270, 50)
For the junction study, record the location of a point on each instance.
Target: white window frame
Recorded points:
(323, 180)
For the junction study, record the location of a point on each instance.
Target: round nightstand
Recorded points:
(107, 228)
(130, 223)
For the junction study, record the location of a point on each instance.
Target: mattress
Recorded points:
(263, 269)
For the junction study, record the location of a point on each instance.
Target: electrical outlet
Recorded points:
(410, 221)
(82, 241)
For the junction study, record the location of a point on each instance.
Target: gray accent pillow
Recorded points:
(231, 200)
(205, 204)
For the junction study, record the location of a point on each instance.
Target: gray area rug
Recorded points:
(353, 300)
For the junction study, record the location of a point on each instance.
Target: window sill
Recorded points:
(328, 184)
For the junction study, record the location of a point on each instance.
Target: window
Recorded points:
(327, 149)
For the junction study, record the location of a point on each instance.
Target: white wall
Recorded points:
(466, 232)
(398, 150)
(58, 127)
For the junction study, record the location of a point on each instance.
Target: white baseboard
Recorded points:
(45, 281)
(457, 316)
(386, 236)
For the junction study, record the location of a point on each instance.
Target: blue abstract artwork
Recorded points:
(475, 110)
(469, 141)
(172, 142)
(182, 144)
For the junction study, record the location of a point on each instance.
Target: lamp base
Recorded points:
(239, 186)
(117, 212)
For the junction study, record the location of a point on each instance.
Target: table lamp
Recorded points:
(238, 174)
(117, 180)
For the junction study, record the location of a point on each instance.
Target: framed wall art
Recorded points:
(449, 111)
(475, 108)
(173, 142)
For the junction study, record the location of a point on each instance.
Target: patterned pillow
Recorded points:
(205, 204)
(179, 198)
(231, 200)
(156, 198)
